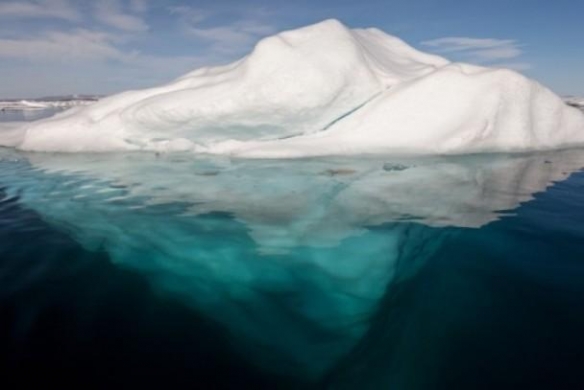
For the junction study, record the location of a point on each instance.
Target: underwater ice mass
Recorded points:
(320, 90)
(281, 253)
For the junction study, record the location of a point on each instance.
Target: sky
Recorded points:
(56, 47)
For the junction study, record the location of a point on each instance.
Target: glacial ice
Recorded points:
(281, 253)
(321, 90)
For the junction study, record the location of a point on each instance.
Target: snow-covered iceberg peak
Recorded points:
(321, 89)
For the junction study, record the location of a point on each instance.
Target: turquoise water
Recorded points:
(370, 272)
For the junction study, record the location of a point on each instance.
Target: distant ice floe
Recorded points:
(574, 101)
(320, 90)
(40, 104)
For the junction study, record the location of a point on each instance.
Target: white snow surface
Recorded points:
(324, 89)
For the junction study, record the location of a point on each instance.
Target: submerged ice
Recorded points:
(293, 259)
(324, 89)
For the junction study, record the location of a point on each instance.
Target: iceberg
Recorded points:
(321, 90)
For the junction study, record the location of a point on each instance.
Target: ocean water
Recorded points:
(27, 115)
(376, 272)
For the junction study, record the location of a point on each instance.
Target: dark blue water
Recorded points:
(497, 307)
(369, 273)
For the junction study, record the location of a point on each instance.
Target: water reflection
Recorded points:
(292, 257)
(322, 201)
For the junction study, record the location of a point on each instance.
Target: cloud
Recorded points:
(40, 9)
(237, 36)
(229, 38)
(480, 50)
(189, 15)
(518, 66)
(90, 48)
(57, 46)
(110, 12)
(139, 6)
(102, 42)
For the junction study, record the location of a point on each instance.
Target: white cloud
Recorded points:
(60, 60)
(451, 44)
(480, 50)
(39, 9)
(229, 38)
(110, 12)
(189, 15)
(139, 6)
(518, 66)
(497, 53)
(234, 37)
(57, 46)
(101, 77)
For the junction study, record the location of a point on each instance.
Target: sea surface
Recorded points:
(27, 115)
(371, 272)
